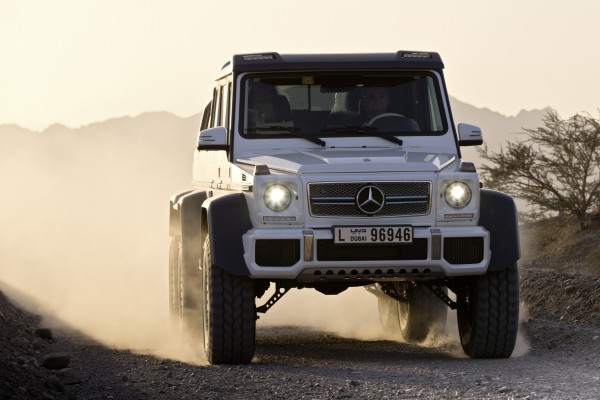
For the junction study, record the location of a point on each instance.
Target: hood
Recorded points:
(330, 160)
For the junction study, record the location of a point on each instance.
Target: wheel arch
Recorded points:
(498, 214)
(175, 213)
(186, 222)
(227, 220)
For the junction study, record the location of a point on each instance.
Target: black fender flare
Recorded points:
(175, 213)
(186, 223)
(228, 220)
(190, 228)
(498, 214)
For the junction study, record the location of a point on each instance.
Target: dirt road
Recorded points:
(561, 362)
(557, 357)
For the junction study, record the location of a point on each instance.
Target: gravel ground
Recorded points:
(563, 363)
(558, 357)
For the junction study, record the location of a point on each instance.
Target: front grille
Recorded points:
(339, 199)
(277, 252)
(328, 251)
(467, 250)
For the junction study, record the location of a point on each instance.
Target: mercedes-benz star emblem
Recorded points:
(370, 199)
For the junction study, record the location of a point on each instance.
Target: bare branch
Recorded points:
(555, 167)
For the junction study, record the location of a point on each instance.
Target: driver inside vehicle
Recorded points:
(377, 113)
(375, 101)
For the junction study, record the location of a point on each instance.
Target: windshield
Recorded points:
(325, 104)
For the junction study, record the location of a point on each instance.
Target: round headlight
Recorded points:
(458, 194)
(277, 197)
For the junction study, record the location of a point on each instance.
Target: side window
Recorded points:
(219, 114)
(218, 106)
(205, 124)
(214, 114)
(223, 106)
(229, 106)
(217, 111)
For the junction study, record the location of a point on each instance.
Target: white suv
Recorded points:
(335, 171)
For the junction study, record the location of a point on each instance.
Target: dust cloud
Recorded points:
(353, 313)
(84, 225)
(84, 232)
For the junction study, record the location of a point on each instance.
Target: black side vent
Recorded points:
(463, 250)
(277, 253)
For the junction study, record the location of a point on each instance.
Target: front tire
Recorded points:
(229, 313)
(488, 313)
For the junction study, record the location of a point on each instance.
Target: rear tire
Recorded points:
(175, 282)
(420, 314)
(229, 314)
(423, 314)
(185, 284)
(488, 313)
(389, 314)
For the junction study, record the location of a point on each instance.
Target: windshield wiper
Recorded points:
(287, 130)
(365, 130)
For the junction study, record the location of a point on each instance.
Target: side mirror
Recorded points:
(469, 135)
(213, 139)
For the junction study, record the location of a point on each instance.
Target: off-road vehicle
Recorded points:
(297, 184)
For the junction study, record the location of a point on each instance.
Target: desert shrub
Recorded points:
(555, 168)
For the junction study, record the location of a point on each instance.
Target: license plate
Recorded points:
(372, 234)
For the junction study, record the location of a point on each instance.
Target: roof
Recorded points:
(271, 61)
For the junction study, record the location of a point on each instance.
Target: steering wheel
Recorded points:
(384, 115)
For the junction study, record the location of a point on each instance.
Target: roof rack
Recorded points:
(269, 61)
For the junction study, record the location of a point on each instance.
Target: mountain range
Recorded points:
(497, 128)
(169, 138)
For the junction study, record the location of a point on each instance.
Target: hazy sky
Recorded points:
(82, 61)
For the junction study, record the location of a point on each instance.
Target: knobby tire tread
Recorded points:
(494, 314)
(232, 318)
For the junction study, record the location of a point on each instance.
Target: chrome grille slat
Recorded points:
(405, 199)
(337, 199)
(333, 200)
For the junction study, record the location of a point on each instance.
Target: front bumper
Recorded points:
(310, 255)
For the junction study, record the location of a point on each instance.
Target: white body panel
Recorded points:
(295, 270)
